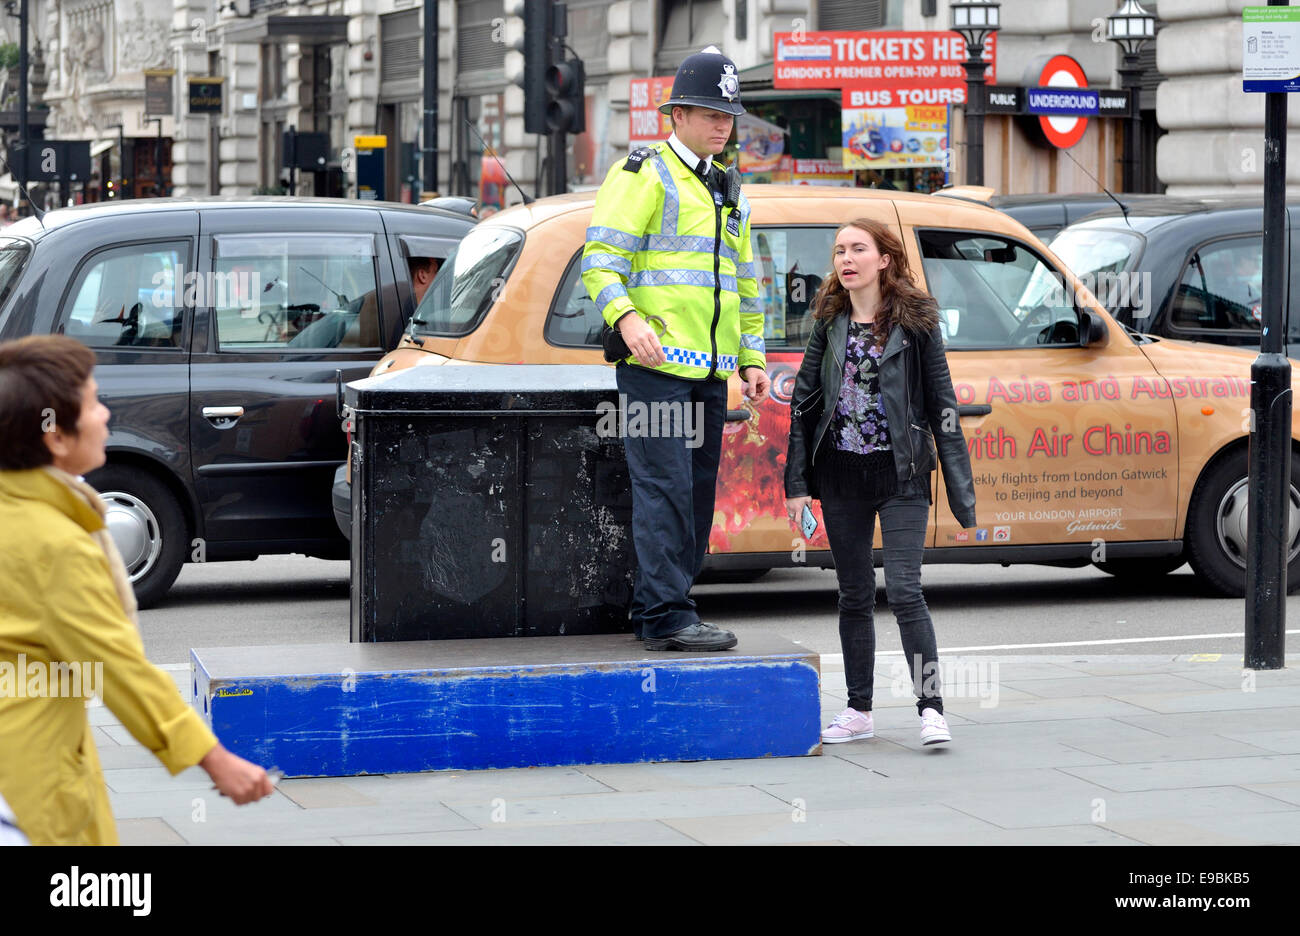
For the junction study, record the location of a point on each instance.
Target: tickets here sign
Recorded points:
(876, 59)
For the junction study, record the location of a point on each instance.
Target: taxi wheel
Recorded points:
(1216, 526)
(1141, 568)
(148, 527)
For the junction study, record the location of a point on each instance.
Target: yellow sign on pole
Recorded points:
(371, 141)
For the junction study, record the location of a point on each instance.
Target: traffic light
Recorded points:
(566, 110)
(536, 49)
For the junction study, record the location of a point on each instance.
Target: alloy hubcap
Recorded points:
(135, 531)
(1233, 526)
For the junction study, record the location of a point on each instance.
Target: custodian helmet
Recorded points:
(706, 79)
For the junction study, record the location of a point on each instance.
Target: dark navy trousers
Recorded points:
(673, 488)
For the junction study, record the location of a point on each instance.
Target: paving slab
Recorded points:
(1114, 686)
(1235, 676)
(156, 778)
(634, 778)
(894, 825)
(1109, 808)
(1221, 723)
(1046, 710)
(325, 793)
(461, 785)
(1280, 742)
(608, 807)
(1286, 791)
(113, 756)
(324, 826)
(1222, 700)
(1220, 829)
(647, 832)
(186, 807)
(147, 832)
(1180, 775)
(1149, 750)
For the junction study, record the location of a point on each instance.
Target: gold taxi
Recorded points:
(1090, 444)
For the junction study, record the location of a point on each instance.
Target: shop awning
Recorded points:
(278, 28)
(102, 147)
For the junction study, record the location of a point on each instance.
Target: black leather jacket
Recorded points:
(918, 395)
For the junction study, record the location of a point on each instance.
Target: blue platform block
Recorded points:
(329, 710)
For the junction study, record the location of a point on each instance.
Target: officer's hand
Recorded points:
(641, 340)
(756, 384)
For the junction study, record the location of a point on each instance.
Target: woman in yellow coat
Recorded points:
(67, 613)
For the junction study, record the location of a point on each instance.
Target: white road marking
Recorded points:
(839, 657)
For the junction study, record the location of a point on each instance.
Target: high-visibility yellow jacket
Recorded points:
(661, 244)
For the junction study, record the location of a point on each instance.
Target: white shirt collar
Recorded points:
(682, 150)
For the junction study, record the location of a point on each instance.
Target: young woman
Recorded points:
(872, 400)
(66, 601)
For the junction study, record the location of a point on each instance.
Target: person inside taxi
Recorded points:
(358, 325)
(872, 399)
(67, 610)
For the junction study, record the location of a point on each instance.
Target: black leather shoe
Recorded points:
(699, 636)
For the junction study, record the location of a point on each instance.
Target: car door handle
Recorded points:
(738, 415)
(222, 412)
(974, 409)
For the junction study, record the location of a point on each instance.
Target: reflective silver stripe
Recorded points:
(745, 270)
(753, 343)
(679, 278)
(608, 294)
(687, 243)
(744, 209)
(604, 261)
(670, 195)
(614, 237)
(698, 359)
(750, 305)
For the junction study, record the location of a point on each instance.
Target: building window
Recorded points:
(686, 26)
(401, 41)
(476, 50)
(851, 14)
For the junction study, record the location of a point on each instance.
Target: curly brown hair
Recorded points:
(897, 290)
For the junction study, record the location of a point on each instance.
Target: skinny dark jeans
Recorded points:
(850, 528)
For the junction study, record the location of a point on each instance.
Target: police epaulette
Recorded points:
(637, 157)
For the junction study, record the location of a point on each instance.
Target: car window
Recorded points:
(1220, 288)
(129, 297)
(294, 292)
(468, 282)
(789, 264)
(13, 257)
(994, 292)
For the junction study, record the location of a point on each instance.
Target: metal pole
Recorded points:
(24, 135)
(975, 115)
(1130, 78)
(1268, 533)
(158, 159)
(431, 95)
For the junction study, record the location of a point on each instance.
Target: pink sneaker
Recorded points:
(934, 728)
(849, 725)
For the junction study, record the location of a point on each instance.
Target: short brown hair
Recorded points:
(40, 376)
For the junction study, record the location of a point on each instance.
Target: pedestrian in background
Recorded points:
(668, 263)
(876, 377)
(66, 600)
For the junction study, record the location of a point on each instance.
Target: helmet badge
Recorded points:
(729, 84)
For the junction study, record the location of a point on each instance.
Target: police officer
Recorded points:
(668, 263)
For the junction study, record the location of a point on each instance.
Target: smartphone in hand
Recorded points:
(808, 522)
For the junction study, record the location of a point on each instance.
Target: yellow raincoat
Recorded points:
(59, 606)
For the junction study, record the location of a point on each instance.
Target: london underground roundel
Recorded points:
(1061, 71)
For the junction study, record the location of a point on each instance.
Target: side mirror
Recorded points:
(1093, 332)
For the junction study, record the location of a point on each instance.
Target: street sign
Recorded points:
(158, 91)
(1270, 44)
(371, 150)
(56, 160)
(1062, 125)
(205, 95)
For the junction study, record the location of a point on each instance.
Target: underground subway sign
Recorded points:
(1062, 113)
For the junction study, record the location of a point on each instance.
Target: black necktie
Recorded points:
(703, 171)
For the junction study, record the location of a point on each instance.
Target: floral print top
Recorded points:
(858, 423)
